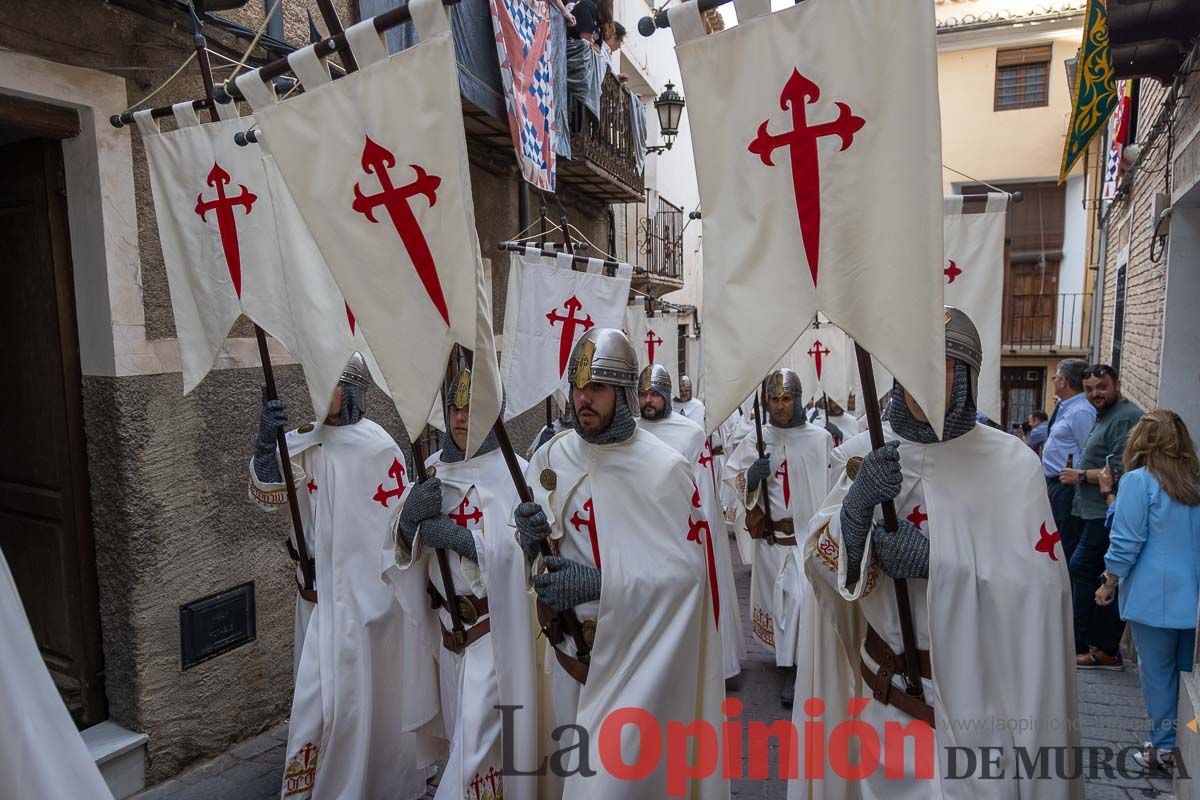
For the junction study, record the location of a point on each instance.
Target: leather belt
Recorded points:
(473, 634)
(891, 664)
(785, 541)
(548, 621)
(470, 609)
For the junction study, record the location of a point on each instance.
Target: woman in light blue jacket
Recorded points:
(1154, 553)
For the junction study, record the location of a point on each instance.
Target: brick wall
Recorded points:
(1129, 238)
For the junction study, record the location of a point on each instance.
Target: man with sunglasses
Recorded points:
(1098, 628)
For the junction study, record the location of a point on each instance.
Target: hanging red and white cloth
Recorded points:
(656, 339)
(217, 232)
(377, 164)
(974, 276)
(819, 169)
(550, 305)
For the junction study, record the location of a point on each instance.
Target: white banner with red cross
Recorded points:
(823, 357)
(325, 331)
(818, 160)
(550, 305)
(656, 339)
(974, 276)
(377, 164)
(217, 232)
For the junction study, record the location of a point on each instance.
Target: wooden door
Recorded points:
(45, 514)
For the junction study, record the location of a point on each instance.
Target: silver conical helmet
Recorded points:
(655, 377)
(356, 373)
(784, 381)
(962, 339)
(605, 355)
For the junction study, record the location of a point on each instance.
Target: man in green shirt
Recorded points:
(1098, 629)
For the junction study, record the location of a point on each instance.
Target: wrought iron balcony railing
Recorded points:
(1046, 322)
(654, 242)
(603, 159)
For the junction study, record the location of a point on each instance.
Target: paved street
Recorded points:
(1110, 706)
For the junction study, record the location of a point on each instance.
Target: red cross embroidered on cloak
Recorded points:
(695, 527)
(782, 472)
(801, 142)
(917, 518)
(226, 222)
(1046, 542)
(396, 471)
(376, 160)
(461, 516)
(951, 272)
(570, 323)
(588, 522)
(312, 486)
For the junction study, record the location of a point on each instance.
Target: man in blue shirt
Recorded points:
(1038, 428)
(1066, 436)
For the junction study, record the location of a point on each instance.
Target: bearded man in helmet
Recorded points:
(990, 598)
(346, 735)
(789, 480)
(687, 438)
(616, 503)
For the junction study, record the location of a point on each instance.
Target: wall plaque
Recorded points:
(216, 624)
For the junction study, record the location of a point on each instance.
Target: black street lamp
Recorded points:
(669, 106)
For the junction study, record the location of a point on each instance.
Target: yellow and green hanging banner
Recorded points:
(1095, 95)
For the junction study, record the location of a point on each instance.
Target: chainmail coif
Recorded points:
(354, 405)
(960, 418)
(621, 428)
(797, 421)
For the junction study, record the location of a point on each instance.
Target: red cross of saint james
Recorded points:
(569, 325)
(376, 160)
(651, 342)
(917, 518)
(588, 522)
(461, 516)
(695, 527)
(350, 318)
(801, 142)
(1046, 542)
(312, 486)
(395, 471)
(951, 272)
(226, 222)
(818, 351)
(782, 472)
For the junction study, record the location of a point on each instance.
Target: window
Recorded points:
(1118, 320)
(1022, 77)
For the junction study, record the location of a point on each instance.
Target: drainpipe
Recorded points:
(275, 26)
(1098, 294)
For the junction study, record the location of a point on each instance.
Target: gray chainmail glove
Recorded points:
(759, 471)
(567, 584)
(532, 528)
(835, 431)
(903, 554)
(271, 419)
(878, 480)
(424, 502)
(440, 532)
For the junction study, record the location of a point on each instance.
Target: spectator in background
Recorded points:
(614, 35)
(1066, 434)
(585, 25)
(1154, 555)
(1038, 423)
(1098, 628)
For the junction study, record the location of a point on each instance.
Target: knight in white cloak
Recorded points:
(41, 752)
(828, 414)
(483, 654)
(633, 563)
(687, 438)
(789, 482)
(734, 430)
(686, 404)
(347, 732)
(990, 598)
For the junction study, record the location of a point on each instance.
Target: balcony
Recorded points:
(653, 242)
(1037, 324)
(604, 153)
